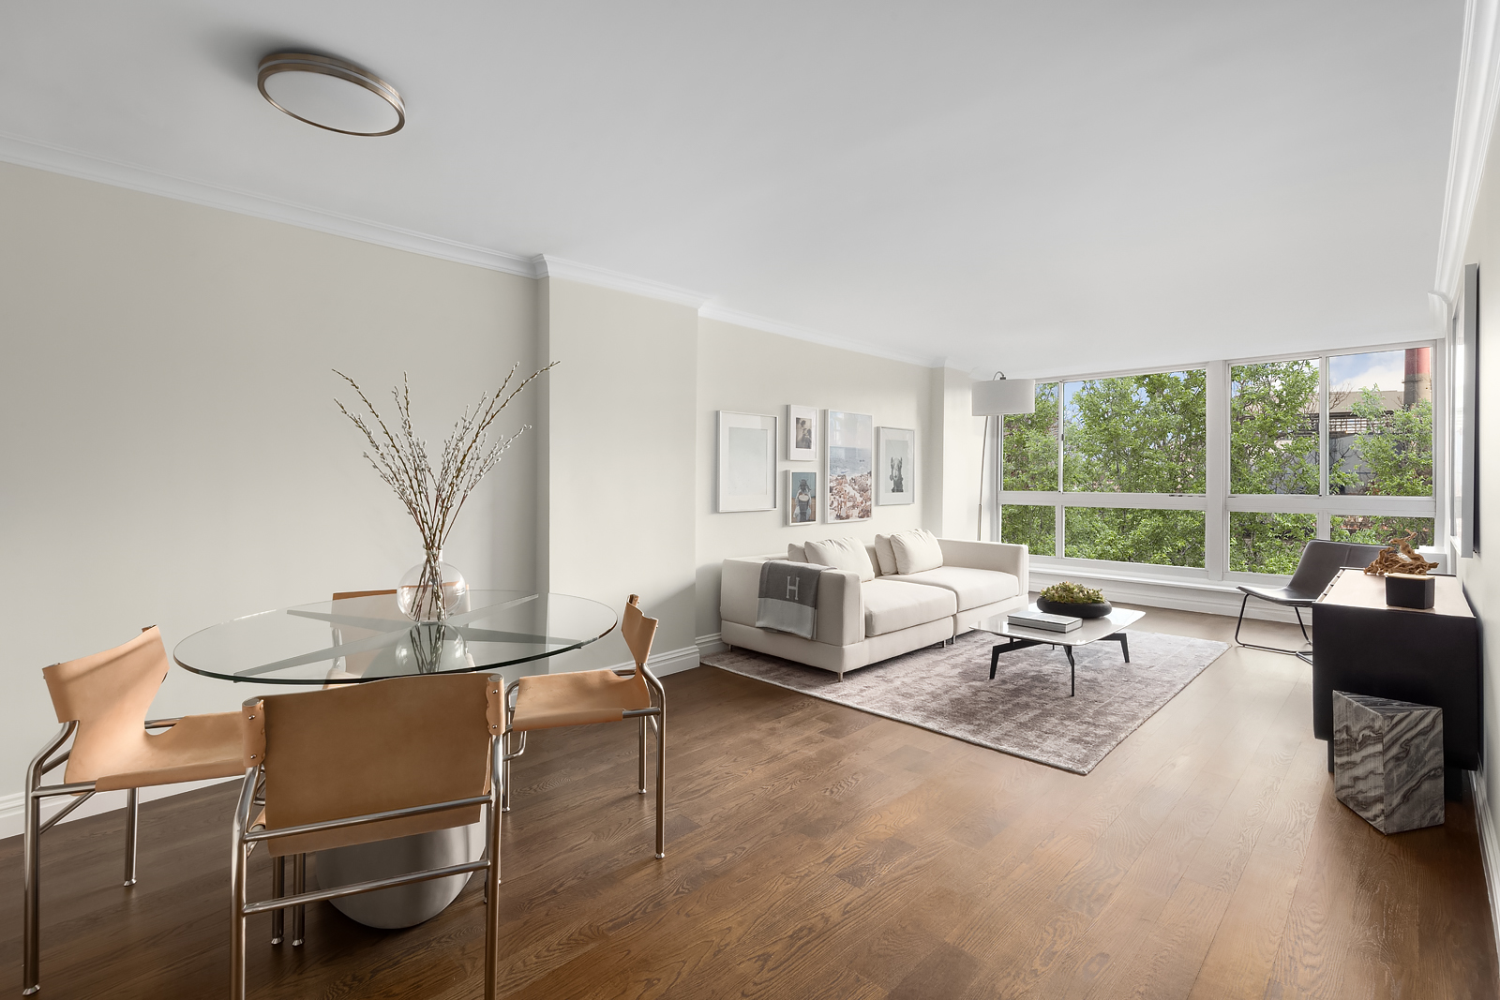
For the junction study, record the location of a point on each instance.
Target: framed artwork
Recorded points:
(802, 497)
(851, 464)
(802, 433)
(1466, 419)
(897, 454)
(747, 461)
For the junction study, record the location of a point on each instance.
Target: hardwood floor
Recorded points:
(817, 852)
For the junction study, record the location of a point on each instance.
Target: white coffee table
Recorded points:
(1110, 628)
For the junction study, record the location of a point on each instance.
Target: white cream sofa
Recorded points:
(859, 624)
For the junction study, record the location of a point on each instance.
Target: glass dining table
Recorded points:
(366, 638)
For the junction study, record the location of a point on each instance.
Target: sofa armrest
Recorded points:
(739, 590)
(841, 613)
(841, 608)
(1000, 556)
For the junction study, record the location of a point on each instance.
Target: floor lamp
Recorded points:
(996, 398)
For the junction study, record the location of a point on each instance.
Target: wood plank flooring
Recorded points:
(817, 852)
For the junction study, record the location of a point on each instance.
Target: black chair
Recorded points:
(1320, 563)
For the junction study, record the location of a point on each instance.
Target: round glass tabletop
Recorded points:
(368, 638)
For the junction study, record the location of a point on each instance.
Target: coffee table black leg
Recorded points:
(1120, 638)
(1013, 644)
(1072, 672)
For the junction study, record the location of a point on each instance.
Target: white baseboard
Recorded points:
(671, 662)
(1489, 847)
(1204, 598)
(13, 807)
(708, 645)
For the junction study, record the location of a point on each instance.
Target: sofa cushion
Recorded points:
(885, 556)
(795, 553)
(916, 551)
(973, 588)
(842, 553)
(891, 606)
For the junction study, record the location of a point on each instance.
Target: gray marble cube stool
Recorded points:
(1388, 761)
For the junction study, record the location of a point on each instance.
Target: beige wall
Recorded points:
(1481, 575)
(755, 372)
(961, 437)
(619, 443)
(171, 452)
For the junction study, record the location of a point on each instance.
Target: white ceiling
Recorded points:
(1044, 187)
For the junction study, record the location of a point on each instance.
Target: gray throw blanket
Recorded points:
(789, 597)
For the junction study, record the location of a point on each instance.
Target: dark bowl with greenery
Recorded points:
(1073, 599)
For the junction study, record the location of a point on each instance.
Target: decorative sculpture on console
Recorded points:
(1400, 557)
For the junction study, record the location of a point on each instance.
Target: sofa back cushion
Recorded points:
(795, 553)
(885, 556)
(916, 551)
(842, 553)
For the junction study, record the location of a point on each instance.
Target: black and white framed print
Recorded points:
(896, 466)
(802, 433)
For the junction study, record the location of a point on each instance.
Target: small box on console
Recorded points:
(1408, 590)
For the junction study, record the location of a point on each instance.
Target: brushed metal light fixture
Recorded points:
(330, 93)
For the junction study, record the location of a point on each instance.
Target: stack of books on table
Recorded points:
(1042, 620)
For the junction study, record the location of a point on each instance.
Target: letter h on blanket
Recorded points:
(789, 597)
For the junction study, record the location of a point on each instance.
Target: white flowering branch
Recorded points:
(433, 498)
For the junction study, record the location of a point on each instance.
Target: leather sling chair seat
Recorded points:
(586, 697)
(101, 701)
(1319, 564)
(357, 763)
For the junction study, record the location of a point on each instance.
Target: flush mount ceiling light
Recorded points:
(330, 93)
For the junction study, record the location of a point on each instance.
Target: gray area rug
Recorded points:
(1025, 710)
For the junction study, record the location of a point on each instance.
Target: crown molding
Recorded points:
(1473, 121)
(547, 266)
(73, 163)
(726, 315)
(61, 160)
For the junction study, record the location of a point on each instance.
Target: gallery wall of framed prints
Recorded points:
(861, 466)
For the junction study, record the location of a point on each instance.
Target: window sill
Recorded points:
(1172, 587)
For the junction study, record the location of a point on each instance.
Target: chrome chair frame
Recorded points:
(1302, 654)
(656, 715)
(31, 859)
(1318, 564)
(246, 838)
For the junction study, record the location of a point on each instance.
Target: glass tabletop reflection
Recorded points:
(368, 638)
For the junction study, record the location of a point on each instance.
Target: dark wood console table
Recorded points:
(1430, 657)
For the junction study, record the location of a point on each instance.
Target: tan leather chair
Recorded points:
(548, 701)
(363, 762)
(101, 701)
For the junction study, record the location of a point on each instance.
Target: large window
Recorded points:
(1121, 469)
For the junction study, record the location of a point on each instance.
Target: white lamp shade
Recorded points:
(1004, 395)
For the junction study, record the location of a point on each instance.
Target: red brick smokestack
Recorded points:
(1418, 382)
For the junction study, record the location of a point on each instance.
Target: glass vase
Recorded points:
(431, 589)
